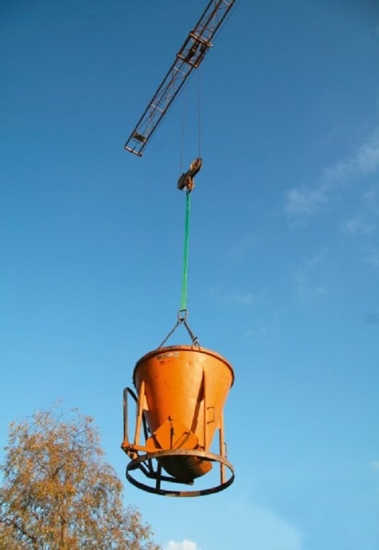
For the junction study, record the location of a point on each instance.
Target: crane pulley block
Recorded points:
(193, 50)
(186, 180)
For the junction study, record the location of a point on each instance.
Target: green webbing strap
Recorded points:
(183, 306)
(183, 313)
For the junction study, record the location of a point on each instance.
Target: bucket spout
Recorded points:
(185, 468)
(174, 435)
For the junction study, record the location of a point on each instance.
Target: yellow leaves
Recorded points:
(59, 492)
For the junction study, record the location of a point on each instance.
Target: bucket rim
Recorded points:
(194, 349)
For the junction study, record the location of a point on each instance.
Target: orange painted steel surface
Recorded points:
(178, 380)
(182, 391)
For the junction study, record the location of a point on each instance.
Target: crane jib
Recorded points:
(189, 57)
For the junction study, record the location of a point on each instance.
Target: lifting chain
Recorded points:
(182, 319)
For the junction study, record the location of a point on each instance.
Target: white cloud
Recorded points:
(365, 220)
(302, 202)
(237, 522)
(271, 532)
(371, 256)
(238, 297)
(242, 246)
(363, 162)
(367, 159)
(268, 329)
(370, 200)
(263, 529)
(375, 464)
(358, 225)
(256, 332)
(184, 545)
(363, 225)
(241, 298)
(308, 277)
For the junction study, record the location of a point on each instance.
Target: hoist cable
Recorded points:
(183, 130)
(184, 120)
(199, 108)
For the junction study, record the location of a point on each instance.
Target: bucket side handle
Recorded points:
(127, 391)
(138, 403)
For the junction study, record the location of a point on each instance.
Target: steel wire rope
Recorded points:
(183, 130)
(199, 108)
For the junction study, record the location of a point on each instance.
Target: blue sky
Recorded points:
(284, 258)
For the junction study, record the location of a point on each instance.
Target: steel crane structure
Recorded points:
(189, 57)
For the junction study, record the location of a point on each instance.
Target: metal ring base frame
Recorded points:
(136, 462)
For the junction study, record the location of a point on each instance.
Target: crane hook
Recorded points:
(186, 180)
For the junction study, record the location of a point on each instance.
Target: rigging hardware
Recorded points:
(186, 180)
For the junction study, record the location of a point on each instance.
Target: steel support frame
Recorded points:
(148, 462)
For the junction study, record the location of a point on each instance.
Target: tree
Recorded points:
(58, 493)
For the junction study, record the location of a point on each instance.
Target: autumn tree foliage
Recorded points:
(58, 493)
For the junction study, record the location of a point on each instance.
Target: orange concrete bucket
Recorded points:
(182, 391)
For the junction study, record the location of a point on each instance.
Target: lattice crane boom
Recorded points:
(189, 57)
